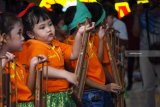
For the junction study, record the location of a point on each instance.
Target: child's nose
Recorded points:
(48, 29)
(22, 38)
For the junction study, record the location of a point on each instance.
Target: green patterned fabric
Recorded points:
(26, 104)
(60, 99)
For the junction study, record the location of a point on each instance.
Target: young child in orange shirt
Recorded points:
(11, 31)
(74, 17)
(39, 28)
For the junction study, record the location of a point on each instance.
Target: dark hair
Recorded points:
(32, 17)
(110, 10)
(57, 14)
(95, 10)
(18, 6)
(7, 22)
(69, 15)
(57, 8)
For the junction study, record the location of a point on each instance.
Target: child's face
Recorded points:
(109, 20)
(16, 38)
(44, 31)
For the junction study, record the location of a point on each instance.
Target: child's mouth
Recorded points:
(50, 35)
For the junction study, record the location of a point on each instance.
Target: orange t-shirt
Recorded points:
(56, 54)
(95, 71)
(106, 60)
(24, 93)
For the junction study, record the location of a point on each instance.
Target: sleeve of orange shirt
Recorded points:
(35, 50)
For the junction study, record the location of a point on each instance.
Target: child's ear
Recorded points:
(3, 38)
(30, 34)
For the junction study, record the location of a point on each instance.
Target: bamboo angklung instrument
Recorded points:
(6, 91)
(81, 69)
(39, 92)
(1, 85)
(112, 43)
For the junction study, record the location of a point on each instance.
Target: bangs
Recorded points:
(37, 15)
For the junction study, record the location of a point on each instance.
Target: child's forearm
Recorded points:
(55, 73)
(31, 78)
(94, 84)
(76, 46)
(52, 73)
(101, 50)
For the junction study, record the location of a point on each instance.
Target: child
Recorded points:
(39, 28)
(100, 43)
(95, 83)
(11, 30)
(57, 17)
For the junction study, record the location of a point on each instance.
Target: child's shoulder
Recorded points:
(58, 43)
(36, 44)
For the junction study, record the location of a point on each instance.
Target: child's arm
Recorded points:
(112, 87)
(52, 73)
(78, 40)
(101, 34)
(32, 70)
(61, 74)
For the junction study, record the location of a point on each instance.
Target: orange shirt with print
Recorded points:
(95, 71)
(106, 60)
(57, 52)
(21, 56)
(24, 93)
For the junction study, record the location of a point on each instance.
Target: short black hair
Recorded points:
(96, 10)
(32, 17)
(7, 22)
(18, 6)
(110, 10)
(56, 14)
(69, 15)
(57, 8)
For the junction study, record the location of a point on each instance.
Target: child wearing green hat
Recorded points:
(95, 88)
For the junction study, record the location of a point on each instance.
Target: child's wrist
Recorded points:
(104, 88)
(79, 33)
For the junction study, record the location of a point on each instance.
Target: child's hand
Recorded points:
(112, 87)
(8, 57)
(84, 28)
(38, 59)
(102, 32)
(72, 78)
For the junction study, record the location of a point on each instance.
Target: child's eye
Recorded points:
(50, 24)
(20, 33)
(42, 27)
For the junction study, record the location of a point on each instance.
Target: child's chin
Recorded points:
(50, 39)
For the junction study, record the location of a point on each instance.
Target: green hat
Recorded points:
(80, 16)
(101, 18)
